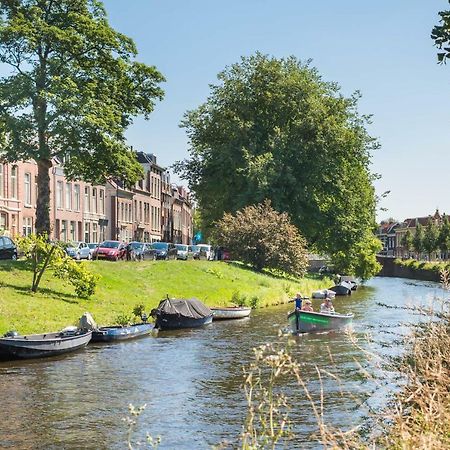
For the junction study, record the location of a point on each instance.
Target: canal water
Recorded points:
(191, 380)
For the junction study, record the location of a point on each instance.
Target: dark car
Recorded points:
(8, 249)
(165, 250)
(112, 250)
(140, 251)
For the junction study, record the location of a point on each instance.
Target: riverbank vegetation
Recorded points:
(434, 266)
(122, 286)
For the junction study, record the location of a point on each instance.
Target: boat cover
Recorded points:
(191, 308)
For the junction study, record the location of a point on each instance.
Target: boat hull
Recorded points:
(112, 334)
(41, 345)
(174, 322)
(230, 313)
(309, 322)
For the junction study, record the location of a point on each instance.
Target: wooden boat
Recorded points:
(234, 312)
(173, 314)
(42, 345)
(307, 322)
(119, 333)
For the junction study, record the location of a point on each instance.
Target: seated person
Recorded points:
(307, 306)
(327, 306)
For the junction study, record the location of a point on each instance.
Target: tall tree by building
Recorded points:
(441, 36)
(273, 129)
(430, 238)
(444, 237)
(74, 88)
(407, 241)
(418, 240)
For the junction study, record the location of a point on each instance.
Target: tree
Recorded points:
(272, 128)
(407, 241)
(444, 237)
(418, 240)
(264, 238)
(441, 36)
(73, 89)
(430, 238)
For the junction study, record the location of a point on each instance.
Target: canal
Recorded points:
(191, 381)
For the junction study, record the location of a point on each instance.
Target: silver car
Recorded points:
(78, 250)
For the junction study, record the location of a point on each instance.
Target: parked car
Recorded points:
(208, 250)
(198, 252)
(184, 251)
(8, 249)
(112, 250)
(165, 250)
(141, 251)
(78, 250)
(92, 246)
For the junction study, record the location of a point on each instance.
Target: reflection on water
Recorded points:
(191, 380)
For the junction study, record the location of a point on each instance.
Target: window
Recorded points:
(86, 233)
(68, 196)
(72, 231)
(86, 199)
(63, 236)
(27, 228)
(27, 190)
(1, 181)
(94, 200)
(59, 194)
(14, 182)
(76, 192)
(102, 202)
(95, 232)
(35, 190)
(3, 221)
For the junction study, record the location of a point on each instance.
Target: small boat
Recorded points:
(343, 288)
(324, 293)
(14, 346)
(307, 322)
(173, 314)
(349, 279)
(233, 312)
(120, 333)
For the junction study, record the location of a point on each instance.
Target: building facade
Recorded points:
(80, 211)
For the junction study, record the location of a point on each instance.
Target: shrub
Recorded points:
(138, 310)
(264, 238)
(123, 320)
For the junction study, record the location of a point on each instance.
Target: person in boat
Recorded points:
(298, 300)
(307, 306)
(327, 306)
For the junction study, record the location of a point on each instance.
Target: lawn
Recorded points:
(123, 285)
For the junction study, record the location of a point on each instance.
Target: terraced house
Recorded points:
(80, 211)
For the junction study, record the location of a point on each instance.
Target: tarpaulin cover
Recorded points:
(191, 308)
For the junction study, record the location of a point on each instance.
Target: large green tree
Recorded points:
(418, 240)
(430, 238)
(73, 89)
(273, 129)
(444, 237)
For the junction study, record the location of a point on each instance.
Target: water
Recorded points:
(191, 380)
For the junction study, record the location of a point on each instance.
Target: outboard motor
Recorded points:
(12, 333)
(87, 323)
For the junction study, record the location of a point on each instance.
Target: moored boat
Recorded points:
(350, 280)
(173, 314)
(323, 293)
(120, 333)
(342, 288)
(307, 321)
(229, 313)
(42, 345)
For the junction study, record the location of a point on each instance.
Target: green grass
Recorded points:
(123, 285)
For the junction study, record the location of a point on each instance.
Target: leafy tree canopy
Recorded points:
(73, 89)
(272, 128)
(262, 237)
(430, 238)
(441, 36)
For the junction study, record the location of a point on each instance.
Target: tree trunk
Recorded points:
(43, 198)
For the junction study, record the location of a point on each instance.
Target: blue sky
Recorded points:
(381, 48)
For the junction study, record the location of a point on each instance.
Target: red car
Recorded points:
(112, 250)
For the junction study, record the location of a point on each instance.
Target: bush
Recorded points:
(264, 238)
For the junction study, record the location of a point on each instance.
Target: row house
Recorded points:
(388, 237)
(80, 211)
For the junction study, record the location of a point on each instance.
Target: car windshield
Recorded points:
(183, 248)
(110, 244)
(92, 245)
(136, 245)
(204, 247)
(160, 245)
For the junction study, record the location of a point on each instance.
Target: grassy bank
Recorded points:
(123, 285)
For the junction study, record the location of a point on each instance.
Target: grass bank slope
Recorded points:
(124, 284)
